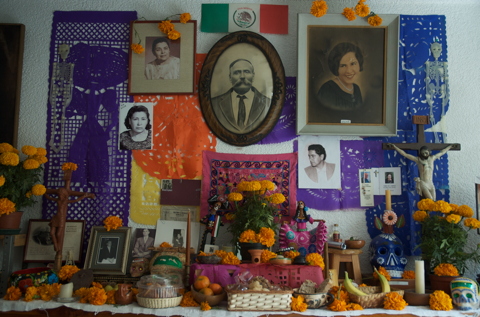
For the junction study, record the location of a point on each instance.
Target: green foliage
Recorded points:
(444, 242)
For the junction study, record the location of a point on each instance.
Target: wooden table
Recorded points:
(352, 262)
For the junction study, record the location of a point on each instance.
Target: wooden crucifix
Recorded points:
(57, 224)
(424, 184)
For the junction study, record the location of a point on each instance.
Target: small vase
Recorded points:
(11, 221)
(245, 246)
(441, 283)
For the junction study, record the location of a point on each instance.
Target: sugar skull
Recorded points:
(436, 50)
(139, 267)
(64, 50)
(464, 293)
(387, 250)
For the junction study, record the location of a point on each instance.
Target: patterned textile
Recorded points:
(354, 155)
(180, 135)
(144, 196)
(99, 45)
(223, 172)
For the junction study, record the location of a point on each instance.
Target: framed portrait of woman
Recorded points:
(165, 66)
(347, 76)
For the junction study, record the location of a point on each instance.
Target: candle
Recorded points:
(66, 290)
(388, 199)
(419, 277)
(188, 239)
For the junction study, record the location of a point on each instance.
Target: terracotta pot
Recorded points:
(124, 294)
(11, 221)
(256, 255)
(244, 247)
(441, 283)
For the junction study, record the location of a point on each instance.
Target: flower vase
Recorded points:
(11, 221)
(441, 283)
(245, 246)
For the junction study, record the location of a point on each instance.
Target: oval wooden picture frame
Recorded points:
(276, 86)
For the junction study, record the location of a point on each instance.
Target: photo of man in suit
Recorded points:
(242, 108)
(319, 170)
(140, 250)
(108, 251)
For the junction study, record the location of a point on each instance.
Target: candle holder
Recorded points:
(414, 299)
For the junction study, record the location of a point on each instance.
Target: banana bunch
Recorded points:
(383, 282)
(350, 288)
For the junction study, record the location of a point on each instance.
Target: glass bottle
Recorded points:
(336, 233)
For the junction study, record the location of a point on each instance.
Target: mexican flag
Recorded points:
(216, 226)
(233, 17)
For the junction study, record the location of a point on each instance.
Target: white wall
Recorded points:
(463, 24)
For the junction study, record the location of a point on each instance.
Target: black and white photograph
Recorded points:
(135, 126)
(162, 58)
(144, 239)
(319, 162)
(210, 248)
(108, 252)
(39, 243)
(167, 185)
(178, 238)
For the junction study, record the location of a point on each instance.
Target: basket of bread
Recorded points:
(160, 291)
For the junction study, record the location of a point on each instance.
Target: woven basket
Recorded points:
(375, 297)
(260, 300)
(159, 302)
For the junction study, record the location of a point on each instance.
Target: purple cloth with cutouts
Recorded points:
(99, 45)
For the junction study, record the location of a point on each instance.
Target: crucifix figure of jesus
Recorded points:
(425, 160)
(57, 224)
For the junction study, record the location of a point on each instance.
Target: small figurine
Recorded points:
(301, 217)
(211, 220)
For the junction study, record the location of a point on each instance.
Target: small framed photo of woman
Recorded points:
(347, 76)
(166, 65)
(135, 126)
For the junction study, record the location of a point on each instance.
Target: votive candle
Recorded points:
(66, 290)
(419, 277)
(388, 199)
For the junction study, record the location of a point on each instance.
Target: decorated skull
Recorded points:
(139, 267)
(387, 250)
(436, 49)
(464, 293)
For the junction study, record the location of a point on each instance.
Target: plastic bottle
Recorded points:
(336, 233)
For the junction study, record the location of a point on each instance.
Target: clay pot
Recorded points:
(441, 283)
(256, 255)
(355, 244)
(244, 247)
(124, 295)
(11, 221)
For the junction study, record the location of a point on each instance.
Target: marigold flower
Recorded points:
(362, 10)
(408, 275)
(188, 301)
(349, 14)
(5, 147)
(31, 164)
(39, 158)
(267, 185)
(464, 211)
(363, 285)
(112, 222)
(354, 306)
(375, 20)
(67, 271)
(174, 35)
(9, 159)
(382, 271)
(38, 190)
(439, 300)
(6, 206)
(426, 204)
(47, 291)
(248, 236)
(472, 223)
(137, 48)
(453, 218)
(41, 151)
(111, 297)
(420, 215)
(442, 206)
(394, 301)
(291, 254)
(343, 295)
(204, 306)
(235, 197)
(185, 17)
(97, 296)
(445, 269)
(319, 8)
(298, 304)
(83, 294)
(31, 294)
(266, 256)
(69, 166)
(389, 217)
(334, 289)
(29, 150)
(220, 253)
(277, 198)
(13, 293)
(2, 180)
(253, 186)
(165, 245)
(230, 259)
(338, 305)
(266, 236)
(241, 187)
(97, 285)
(166, 26)
(315, 259)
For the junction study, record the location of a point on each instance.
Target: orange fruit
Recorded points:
(206, 291)
(201, 282)
(216, 288)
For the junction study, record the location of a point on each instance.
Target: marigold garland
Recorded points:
(13, 293)
(174, 35)
(445, 269)
(439, 300)
(185, 17)
(298, 304)
(188, 301)
(112, 222)
(315, 259)
(382, 271)
(38, 190)
(319, 8)
(137, 48)
(267, 255)
(361, 9)
(408, 275)
(9, 159)
(6, 206)
(204, 306)
(394, 301)
(338, 305)
(375, 20)
(166, 26)
(349, 14)
(69, 166)
(420, 215)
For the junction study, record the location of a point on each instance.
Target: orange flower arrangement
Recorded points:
(67, 271)
(382, 271)
(188, 301)
(408, 275)
(349, 14)
(46, 291)
(112, 222)
(315, 259)
(204, 306)
(266, 256)
(439, 300)
(319, 8)
(69, 166)
(230, 258)
(445, 269)
(298, 304)
(97, 296)
(374, 20)
(394, 301)
(13, 293)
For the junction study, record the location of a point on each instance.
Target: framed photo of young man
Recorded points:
(166, 66)
(108, 251)
(242, 88)
(347, 76)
